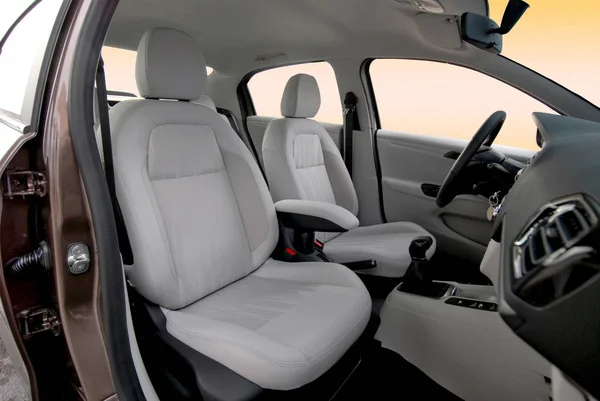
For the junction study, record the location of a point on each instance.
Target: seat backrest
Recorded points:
(198, 211)
(208, 102)
(301, 160)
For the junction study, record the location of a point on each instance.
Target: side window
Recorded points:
(23, 53)
(444, 100)
(266, 90)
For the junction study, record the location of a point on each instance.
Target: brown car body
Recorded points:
(84, 366)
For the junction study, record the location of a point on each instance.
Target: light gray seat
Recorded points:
(208, 102)
(202, 225)
(302, 162)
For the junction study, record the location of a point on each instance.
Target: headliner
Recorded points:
(238, 36)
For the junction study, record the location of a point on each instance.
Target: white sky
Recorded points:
(9, 11)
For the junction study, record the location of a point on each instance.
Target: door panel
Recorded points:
(258, 124)
(407, 161)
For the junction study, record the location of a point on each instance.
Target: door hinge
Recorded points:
(38, 320)
(24, 183)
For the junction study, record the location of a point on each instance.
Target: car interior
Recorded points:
(261, 254)
(279, 242)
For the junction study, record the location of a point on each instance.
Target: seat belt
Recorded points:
(109, 171)
(350, 123)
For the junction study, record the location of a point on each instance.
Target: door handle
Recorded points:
(430, 190)
(452, 154)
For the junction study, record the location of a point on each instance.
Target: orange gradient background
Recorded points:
(557, 38)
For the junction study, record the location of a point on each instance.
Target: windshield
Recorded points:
(558, 39)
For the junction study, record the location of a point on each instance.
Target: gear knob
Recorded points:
(418, 248)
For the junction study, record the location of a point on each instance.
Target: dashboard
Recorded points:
(549, 231)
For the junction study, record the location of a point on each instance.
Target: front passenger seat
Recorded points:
(202, 227)
(302, 162)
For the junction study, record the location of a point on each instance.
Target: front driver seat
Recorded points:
(302, 162)
(202, 226)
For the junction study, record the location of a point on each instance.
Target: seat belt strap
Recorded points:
(350, 123)
(109, 171)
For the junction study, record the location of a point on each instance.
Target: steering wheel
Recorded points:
(485, 136)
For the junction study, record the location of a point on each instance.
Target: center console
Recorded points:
(417, 281)
(453, 333)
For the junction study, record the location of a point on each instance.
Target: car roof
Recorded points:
(241, 36)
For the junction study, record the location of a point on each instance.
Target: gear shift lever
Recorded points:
(418, 253)
(417, 279)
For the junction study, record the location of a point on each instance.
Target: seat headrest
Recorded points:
(169, 65)
(301, 97)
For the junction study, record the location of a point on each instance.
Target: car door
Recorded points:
(428, 112)
(25, 33)
(266, 89)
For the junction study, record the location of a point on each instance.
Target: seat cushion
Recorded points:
(282, 326)
(386, 243)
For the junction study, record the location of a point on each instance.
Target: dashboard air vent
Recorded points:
(557, 227)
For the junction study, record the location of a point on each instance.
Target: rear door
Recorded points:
(266, 89)
(427, 111)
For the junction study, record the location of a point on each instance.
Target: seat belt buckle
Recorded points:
(319, 245)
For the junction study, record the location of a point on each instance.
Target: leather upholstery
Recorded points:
(202, 225)
(301, 97)
(302, 162)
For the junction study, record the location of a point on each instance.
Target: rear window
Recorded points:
(266, 90)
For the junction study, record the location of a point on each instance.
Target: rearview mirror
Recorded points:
(480, 31)
(484, 33)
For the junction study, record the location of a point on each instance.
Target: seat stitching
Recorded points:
(209, 172)
(310, 361)
(307, 167)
